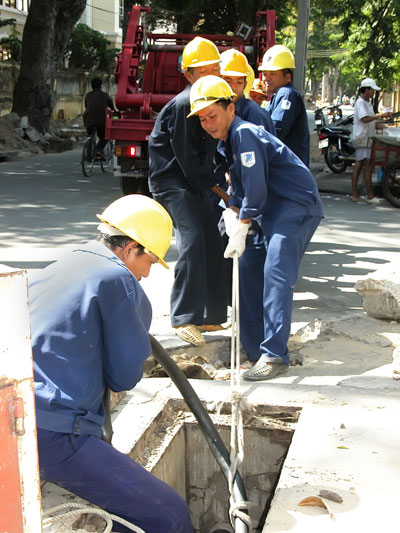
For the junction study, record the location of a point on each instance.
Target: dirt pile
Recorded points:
(19, 140)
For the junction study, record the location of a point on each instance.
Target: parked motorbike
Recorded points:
(336, 146)
(333, 112)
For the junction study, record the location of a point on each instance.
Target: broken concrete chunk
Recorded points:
(20, 132)
(32, 134)
(381, 294)
(24, 123)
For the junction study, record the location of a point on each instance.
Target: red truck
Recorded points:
(148, 74)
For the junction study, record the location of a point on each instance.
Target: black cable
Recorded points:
(206, 425)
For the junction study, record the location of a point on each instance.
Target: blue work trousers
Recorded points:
(98, 473)
(199, 292)
(268, 271)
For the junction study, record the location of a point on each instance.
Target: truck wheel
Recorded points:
(131, 185)
(391, 184)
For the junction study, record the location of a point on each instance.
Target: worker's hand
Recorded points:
(236, 231)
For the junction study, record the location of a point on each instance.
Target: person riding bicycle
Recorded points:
(94, 117)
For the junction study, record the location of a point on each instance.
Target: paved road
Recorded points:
(46, 204)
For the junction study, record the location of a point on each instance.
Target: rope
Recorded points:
(237, 438)
(80, 509)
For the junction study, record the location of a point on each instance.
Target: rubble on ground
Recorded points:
(18, 139)
(381, 294)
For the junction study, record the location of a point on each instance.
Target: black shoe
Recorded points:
(264, 370)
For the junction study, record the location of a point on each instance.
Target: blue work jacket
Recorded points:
(289, 115)
(248, 110)
(90, 320)
(181, 153)
(266, 176)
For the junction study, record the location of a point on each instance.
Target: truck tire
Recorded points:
(130, 185)
(391, 183)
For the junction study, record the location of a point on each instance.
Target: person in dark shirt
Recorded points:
(234, 70)
(94, 116)
(181, 156)
(286, 107)
(269, 182)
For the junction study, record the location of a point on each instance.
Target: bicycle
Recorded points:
(90, 156)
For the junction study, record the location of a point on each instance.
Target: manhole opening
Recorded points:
(174, 449)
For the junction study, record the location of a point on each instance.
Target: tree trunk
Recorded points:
(47, 29)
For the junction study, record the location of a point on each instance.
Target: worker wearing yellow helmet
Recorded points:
(270, 184)
(89, 321)
(235, 70)
(181, 173)
(258, 93)
(287, 108)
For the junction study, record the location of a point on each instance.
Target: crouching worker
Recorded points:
(90, 320)
(268, 181)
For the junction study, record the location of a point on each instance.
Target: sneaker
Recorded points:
(264, 370)
(373, 200)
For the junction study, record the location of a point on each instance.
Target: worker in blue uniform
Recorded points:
(286, 107)
(181, 167)
(90, 320)
(267, 179)
(235, 70)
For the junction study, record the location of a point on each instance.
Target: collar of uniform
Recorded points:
(98, 248)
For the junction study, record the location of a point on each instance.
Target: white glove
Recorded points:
(237, 232)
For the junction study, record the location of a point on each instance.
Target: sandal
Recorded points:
(357, 198)
(264, 370)
(190, 333)
(211, 327)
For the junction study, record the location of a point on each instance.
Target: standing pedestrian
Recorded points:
(90, 320)
(286, 107)
(267, 179)
(181, 157)
(363, 128)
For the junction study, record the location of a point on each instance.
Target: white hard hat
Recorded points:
(369, 82)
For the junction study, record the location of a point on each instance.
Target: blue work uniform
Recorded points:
(248, 110)
(289, 115)
(181, 158)
(90, 320)
(271, 183)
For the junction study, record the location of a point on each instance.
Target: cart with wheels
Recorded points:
(385, 153)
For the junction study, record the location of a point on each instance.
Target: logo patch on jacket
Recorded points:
(248, 159)
(286, 104)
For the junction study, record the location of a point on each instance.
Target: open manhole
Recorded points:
(174, 449)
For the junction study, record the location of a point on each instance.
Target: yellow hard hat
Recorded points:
(199, 52)
(258, 87)
(249, 82)
(208, 90)
(234, 63)
(277, 57)
(142, 219)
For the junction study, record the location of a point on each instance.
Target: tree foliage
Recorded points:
(88, 49)
(12, 43)
(367, 31)
(211, 17)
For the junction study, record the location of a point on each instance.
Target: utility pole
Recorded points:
(303, 15)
